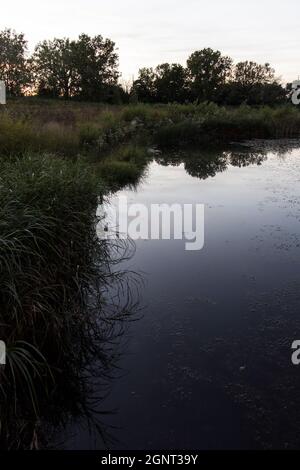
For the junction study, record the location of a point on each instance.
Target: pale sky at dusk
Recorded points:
(156, 31)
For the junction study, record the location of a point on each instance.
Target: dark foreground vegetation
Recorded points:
(58, 160)
(58, 322)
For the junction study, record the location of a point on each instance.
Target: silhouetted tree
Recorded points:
(253, 84)
(251, 73)
(170, 83)
(96, 64)
(14, 67)
(54, 68)
(86, 68)
(144, 86)
(208, 70)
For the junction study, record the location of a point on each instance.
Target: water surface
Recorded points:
(208, 365)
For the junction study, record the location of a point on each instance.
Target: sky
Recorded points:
(151, 32)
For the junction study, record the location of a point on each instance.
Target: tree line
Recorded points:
(87, 69)
(210, 76)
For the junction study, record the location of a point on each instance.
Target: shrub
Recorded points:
(119, 173)
(16, 136)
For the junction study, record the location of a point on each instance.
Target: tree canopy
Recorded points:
(208, 71)
(86, 68)
(14, 67)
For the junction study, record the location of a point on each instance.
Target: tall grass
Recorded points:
(54, 272)
(217, 125)
(125, 166)
(71, 129)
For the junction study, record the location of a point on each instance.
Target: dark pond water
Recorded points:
(208, 364)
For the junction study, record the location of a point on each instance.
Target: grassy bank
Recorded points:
(57, 161)
(53, 277)
(70, 129)
(217, 125)
(116, 138)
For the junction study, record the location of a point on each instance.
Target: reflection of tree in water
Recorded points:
(173, 159)
(63, 389)
(208, 163)
(280, 147)
(243, 159)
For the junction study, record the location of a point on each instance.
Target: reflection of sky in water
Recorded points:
(251, 251)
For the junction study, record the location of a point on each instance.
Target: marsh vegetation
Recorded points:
(58, 321)
(65, 299)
